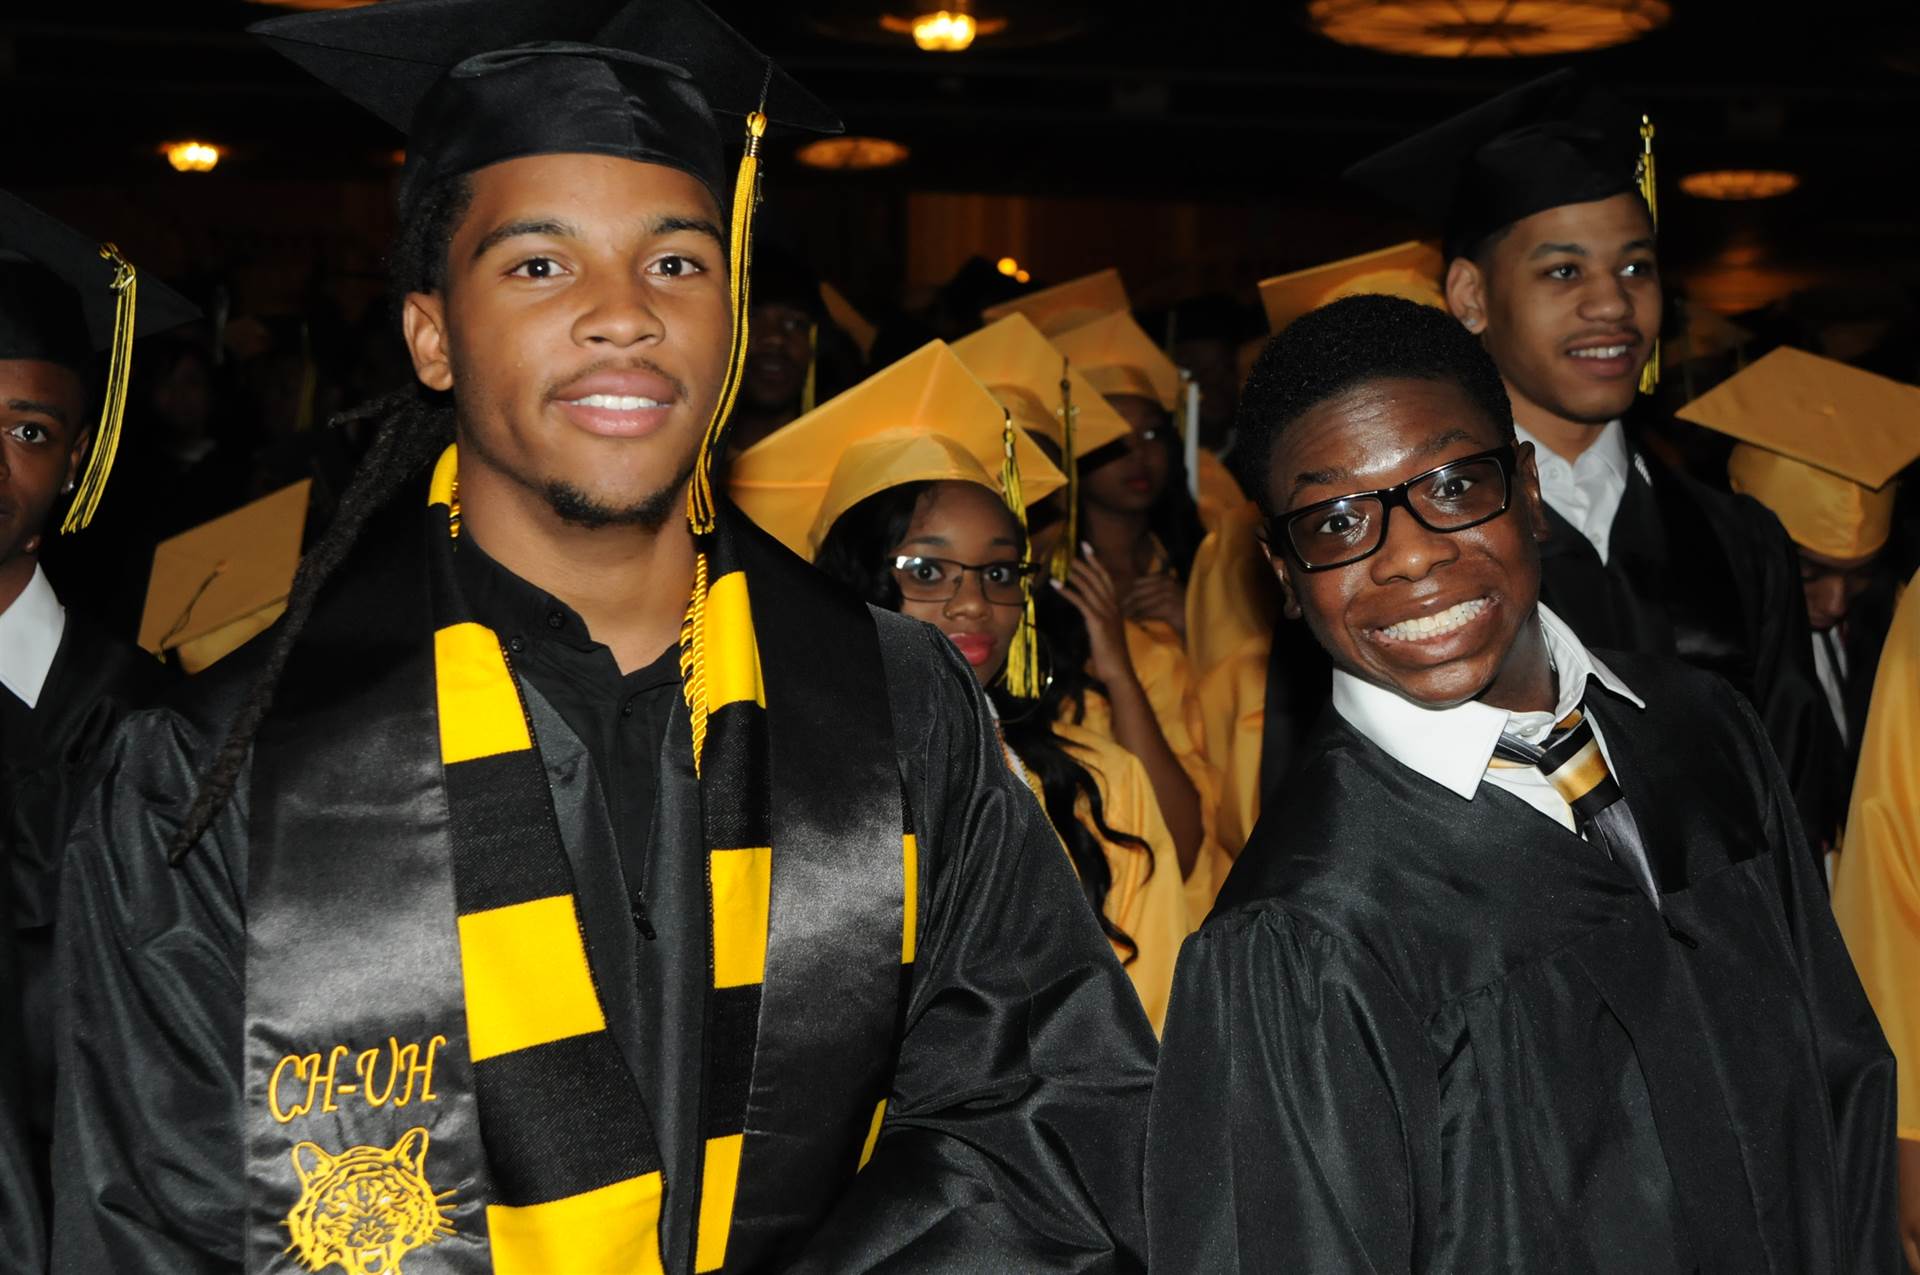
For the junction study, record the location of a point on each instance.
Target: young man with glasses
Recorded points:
(1527, 968)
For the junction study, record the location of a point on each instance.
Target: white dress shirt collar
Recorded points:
(1452, 746)
(30, 631)
(1587, 490)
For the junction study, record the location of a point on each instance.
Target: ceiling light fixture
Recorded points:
(1486, 28)
(943, 30)
(849, 154)
(192, 157)
(1740, 183)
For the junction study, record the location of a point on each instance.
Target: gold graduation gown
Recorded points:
(1160, 662)
(1147, 900)
(1876, 885)
(1232, 605)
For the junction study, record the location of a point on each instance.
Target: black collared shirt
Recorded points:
(620, 718)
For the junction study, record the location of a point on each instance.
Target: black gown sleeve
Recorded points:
(1293, 1121)
(1854, 1059)
(22, 1220)
(1013, 1134)
(148, 1160)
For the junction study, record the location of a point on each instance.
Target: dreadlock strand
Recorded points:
(412, 431)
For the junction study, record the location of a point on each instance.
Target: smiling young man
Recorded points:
(1527, 968)
(1552, 262)
(574, 881)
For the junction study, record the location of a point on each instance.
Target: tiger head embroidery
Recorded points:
(366, 1208)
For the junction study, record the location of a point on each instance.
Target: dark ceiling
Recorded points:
(1235, 103)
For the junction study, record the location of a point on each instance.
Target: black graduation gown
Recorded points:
(47, 755)
(22, 1215)
(1709, 577)
(1421, 1034)
(1023, 1065)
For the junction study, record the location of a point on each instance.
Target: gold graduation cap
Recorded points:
(1411, 270)
(1067, 305)
(1818, 443)
(1047, 396)
(1118, 357)
(925, 418)
(1025, 372)
(218, 585)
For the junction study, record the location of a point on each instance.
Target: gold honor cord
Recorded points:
(1023, 659)
(746, 194)
(113, 407)
(1649, 191)
(1063, 552)
(693, 659)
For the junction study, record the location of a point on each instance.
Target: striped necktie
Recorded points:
(1573, 763)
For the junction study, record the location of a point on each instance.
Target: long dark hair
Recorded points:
(854, 552)
(413, 426)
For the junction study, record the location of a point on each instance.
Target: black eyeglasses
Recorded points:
(1452, 497)
(939, 579)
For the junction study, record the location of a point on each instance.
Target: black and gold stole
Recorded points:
(427, 1061)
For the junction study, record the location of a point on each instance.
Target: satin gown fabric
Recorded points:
(1018, 1080)
(1421, 1034)
(47, 754)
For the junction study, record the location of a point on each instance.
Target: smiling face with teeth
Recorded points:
(1439, 617)
(583, 329)
(1567, 302)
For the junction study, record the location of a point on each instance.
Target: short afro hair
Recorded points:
(1338, 347)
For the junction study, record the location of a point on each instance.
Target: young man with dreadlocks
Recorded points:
(515, 907)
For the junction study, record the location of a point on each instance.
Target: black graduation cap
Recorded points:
(64, 297)
(1557, 140)
(57, 296)
(476, 82)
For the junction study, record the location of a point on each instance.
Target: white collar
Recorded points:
(1452, 746)
(1609, 450)
(30, 631)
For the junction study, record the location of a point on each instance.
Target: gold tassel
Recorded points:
(113, 407)
(693, 658)
(1063, 552)
(1649, 191)
(746, 195)
(1023, 659)
(810, 392)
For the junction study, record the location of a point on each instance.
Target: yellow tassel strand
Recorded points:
(1062, 562)
(113, 407)
(746, 195)
(1023, 659)
(701, 510)
(810, 392)
(693, 659)
(1649, 191)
